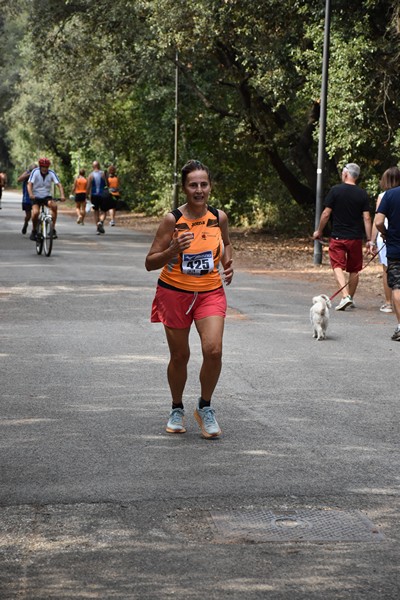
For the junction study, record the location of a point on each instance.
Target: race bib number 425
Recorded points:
(197, 264)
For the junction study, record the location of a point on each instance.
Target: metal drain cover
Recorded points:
(308, 525)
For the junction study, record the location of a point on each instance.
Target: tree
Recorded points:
(249, 96)
(12, 30)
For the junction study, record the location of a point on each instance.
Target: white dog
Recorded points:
(319, 316)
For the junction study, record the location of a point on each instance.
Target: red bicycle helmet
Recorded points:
(44, 162)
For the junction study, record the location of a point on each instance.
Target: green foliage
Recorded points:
(95, 79)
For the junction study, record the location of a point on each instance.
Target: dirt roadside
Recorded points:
(276, 255)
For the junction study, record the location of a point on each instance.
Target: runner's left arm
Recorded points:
(226, 259)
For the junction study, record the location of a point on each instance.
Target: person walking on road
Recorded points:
(389, 180)
(189, 245)
(3, 183)
(389, 208)
(79, 191)
(40, 184)
(26, 201)
(113, 187)
(96, 183)
(349, 207)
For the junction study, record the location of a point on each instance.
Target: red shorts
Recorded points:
(346, 254)
(178, 310)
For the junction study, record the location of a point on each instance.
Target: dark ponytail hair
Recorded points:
(193, 165)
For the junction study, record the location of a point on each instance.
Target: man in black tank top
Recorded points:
(348, 206)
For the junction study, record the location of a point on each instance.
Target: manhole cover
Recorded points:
(309, 525)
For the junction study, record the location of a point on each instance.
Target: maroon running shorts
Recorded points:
(346, 254)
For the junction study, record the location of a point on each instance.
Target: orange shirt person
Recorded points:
(79, 190)
(189, 246)
(113, 188)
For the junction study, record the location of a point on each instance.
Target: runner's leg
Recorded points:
(353, 283)
(396, 303)
(210, 330)
(341, 281)
(178, 343)
(28, 215)
(386, 288)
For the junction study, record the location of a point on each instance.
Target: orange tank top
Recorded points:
(80, 185)
(196, 269)
(113, 185)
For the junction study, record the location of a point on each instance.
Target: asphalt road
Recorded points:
(97, 501)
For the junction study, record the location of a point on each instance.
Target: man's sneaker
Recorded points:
(205, 417)
(344, 303)
(176, 421)
(24, 229)
(386, 308)
(54, 236)
(33, 236)
(112, 223)
(100, 227)
(396, 335)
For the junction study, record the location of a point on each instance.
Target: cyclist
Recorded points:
(39, 189)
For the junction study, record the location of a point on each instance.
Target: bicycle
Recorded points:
(44, 231)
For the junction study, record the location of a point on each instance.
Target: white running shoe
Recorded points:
(386, 308)
(205, 417)
(344, 303)
(176, 421)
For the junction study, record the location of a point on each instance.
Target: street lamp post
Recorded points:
(175, 194)
(322, 131)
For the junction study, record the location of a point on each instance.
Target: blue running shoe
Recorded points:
(205, 417)
(176, 421)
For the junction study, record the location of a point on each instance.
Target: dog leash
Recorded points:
(357, 274)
